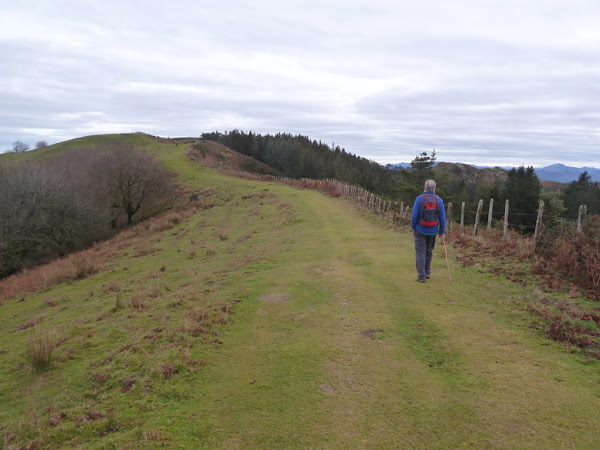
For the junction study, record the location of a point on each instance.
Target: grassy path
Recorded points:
(342, 348)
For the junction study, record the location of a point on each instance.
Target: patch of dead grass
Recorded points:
(274, 298)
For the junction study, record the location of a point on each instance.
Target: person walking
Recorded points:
(427, 221)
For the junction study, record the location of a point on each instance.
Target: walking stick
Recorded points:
(447, 263)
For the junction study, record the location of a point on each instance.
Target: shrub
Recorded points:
(578, 255)
(571, 255)
(40, 345)
(137, 302)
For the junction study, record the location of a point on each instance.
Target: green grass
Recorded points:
(305, 327)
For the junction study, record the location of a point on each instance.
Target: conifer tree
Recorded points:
(582, 192)
(522, 189)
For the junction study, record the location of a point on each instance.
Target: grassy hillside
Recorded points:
(207, 153)
(487, 177)
(265, 316)
(215, 155)
(141, 140)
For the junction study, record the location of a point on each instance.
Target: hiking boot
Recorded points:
(420, 280)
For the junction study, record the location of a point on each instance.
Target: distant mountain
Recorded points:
(565, 174)
(404, 165)
(556, 172)
(507, 168)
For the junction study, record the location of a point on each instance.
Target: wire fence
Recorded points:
(506, 216)
(399, 215)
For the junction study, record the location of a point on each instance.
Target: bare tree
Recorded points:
(83, 168)
(134, 180)
(58, 205)
(41, 144)
(20, 147)
(43, 213)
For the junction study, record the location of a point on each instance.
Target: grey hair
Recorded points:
(430, 185)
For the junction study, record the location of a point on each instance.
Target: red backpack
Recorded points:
(429, 215)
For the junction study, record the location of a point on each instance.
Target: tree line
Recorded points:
(300, 157)
(55, 206)
(297, 156)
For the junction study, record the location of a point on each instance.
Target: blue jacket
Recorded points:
(440, 228)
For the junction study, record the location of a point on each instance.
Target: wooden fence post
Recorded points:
(489, 226)
(479, 206)
(506, 220)
(401, 212)
(462, 215)
(449, 218)
(580, 217)
(394, 218)
(538, 224)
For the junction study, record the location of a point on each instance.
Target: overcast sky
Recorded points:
(483, 82)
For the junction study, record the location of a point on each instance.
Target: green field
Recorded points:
(268, 316)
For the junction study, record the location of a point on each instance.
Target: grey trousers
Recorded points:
(424, 245)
